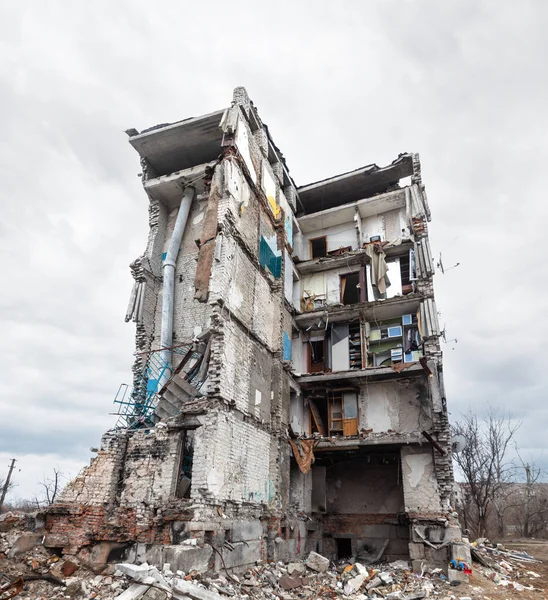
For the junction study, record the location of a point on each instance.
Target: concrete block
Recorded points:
(317, 562)
(417, 565)
(453, 534)
(188, 558)
(244, 553)
(461, 552)
(154, 555)
(142, 573)
(134, 592)
(416, 551)
(243, 531)
(296, 568)
(24, 543)
(454, 575)
(289, 583)
(354, 584)
(193, 591)
(436, 535)
(284, 549)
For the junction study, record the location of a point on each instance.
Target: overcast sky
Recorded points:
(341, 85)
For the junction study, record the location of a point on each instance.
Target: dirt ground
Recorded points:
(482, 588)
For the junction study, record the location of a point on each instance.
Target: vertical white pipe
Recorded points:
(168, 268)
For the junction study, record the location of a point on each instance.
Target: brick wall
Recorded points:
(149, 473)
(231, 460)
(97, 484)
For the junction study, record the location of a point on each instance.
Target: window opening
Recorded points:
(318, 247)
(344, 547)
(405, 268)
(316, 356)
(318, 414)
(185, 470)
(350, 288)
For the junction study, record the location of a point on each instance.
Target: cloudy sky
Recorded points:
(341, 85)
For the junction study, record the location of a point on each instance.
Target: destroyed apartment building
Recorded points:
(288, 391)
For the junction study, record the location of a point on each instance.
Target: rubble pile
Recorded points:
(313, 578)
(505, 568)
(30, 571)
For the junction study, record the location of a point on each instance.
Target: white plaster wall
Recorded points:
(327, 282)
(393, 405)
(379, 404)
(297, 418)
(297, 291)
(298, 355)
(420, 486)
(373, 226)
(301, 489)
(190, 317)
(288, 277)
(337, 236)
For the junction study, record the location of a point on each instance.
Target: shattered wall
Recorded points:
(237, 286)
(229, 460)
(400, 406)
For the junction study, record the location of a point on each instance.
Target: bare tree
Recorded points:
(532, 515)
(485, 465)
(52, 486)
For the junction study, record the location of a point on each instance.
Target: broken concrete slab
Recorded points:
(360, 569)
(186, 558)
(289, 583)
(454, 575)
(354, 584)
(243, 531)
(293, 568)
(134, 592)
(375, 582)
(244, 553)
(317, 562)
(144, 573)
(193, 591)
(24, 543)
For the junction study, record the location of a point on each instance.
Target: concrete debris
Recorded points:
(293, 568)
(317, 562)
(315, 577)
(355, 584)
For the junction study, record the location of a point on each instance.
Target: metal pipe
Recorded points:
(168, 269)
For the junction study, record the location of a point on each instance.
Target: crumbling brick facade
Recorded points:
(303, 314)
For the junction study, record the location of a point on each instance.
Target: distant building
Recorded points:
(288, 391)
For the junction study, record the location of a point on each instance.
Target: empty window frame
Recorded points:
(316, 356)
(350, 288)
(318, 247)
(407, 276)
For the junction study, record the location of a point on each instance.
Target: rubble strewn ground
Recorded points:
(502, 572)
